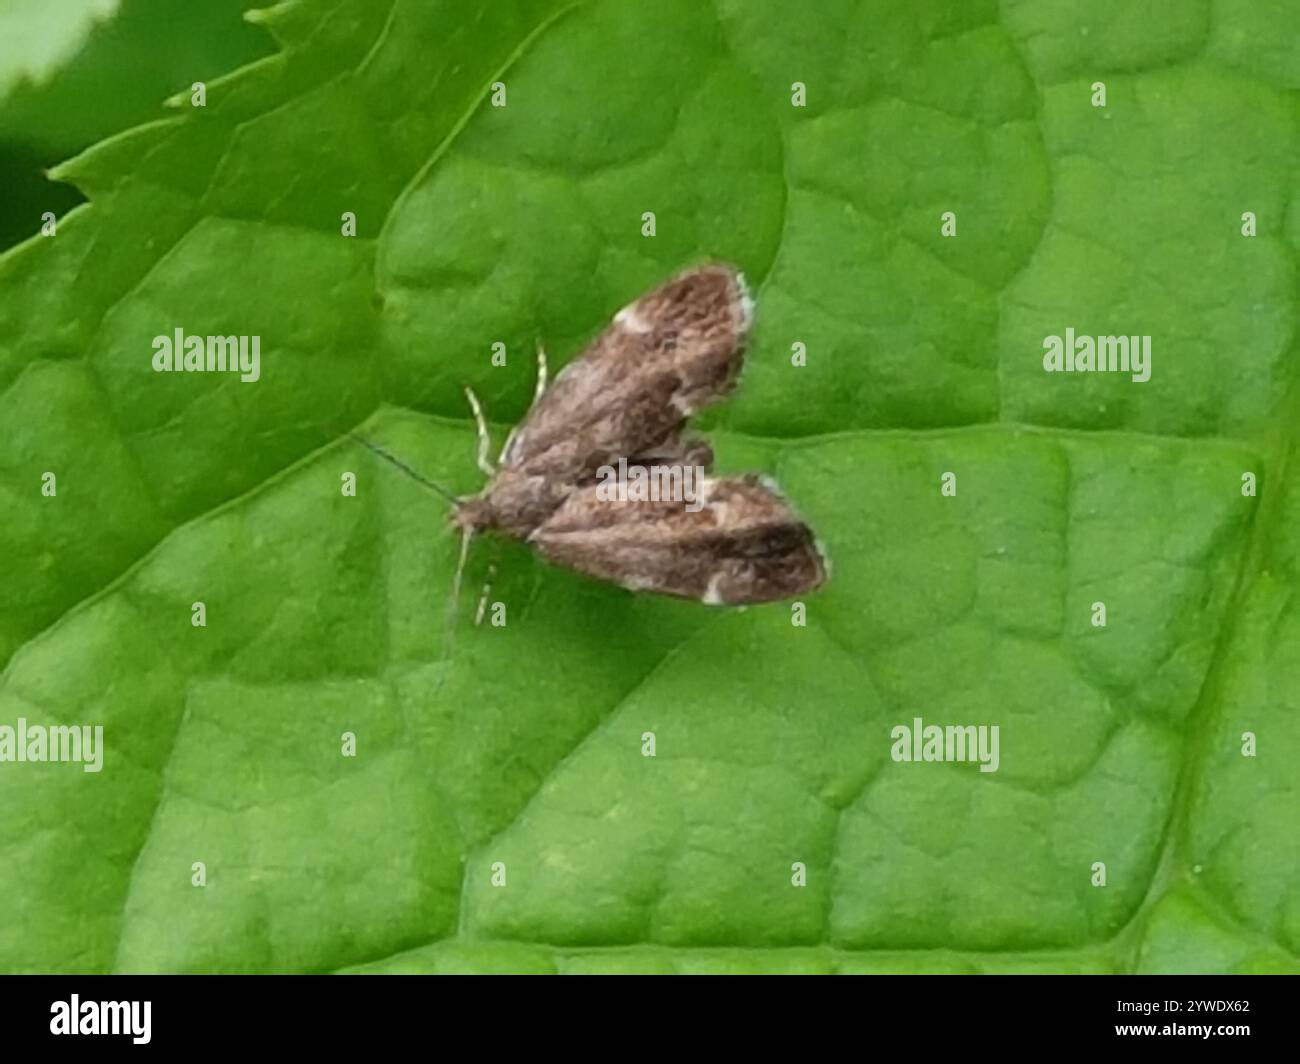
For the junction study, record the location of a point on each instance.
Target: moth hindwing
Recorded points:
(623, 403)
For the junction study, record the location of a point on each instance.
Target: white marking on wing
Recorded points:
(712, 596)
(746, 302)
(821, 553)
(632, 321)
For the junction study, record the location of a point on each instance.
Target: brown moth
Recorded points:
(665, 356)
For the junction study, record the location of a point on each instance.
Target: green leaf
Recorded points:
(483, 749)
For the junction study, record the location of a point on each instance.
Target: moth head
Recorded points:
(472, 513)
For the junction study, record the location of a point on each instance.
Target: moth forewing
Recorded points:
(663, 357)
(742, 547)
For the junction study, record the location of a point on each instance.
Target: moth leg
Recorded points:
(541, 372)
(537, 394)
(449, 635)
(484, 440)
(482, 602)
(465, 538)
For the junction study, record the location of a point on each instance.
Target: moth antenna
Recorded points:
(387, 456)
(467, 534)
(484, 440)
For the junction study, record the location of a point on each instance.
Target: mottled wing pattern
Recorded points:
(663, 357)
(744, 545)
(677, 450)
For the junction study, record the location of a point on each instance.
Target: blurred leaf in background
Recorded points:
(76, 71)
